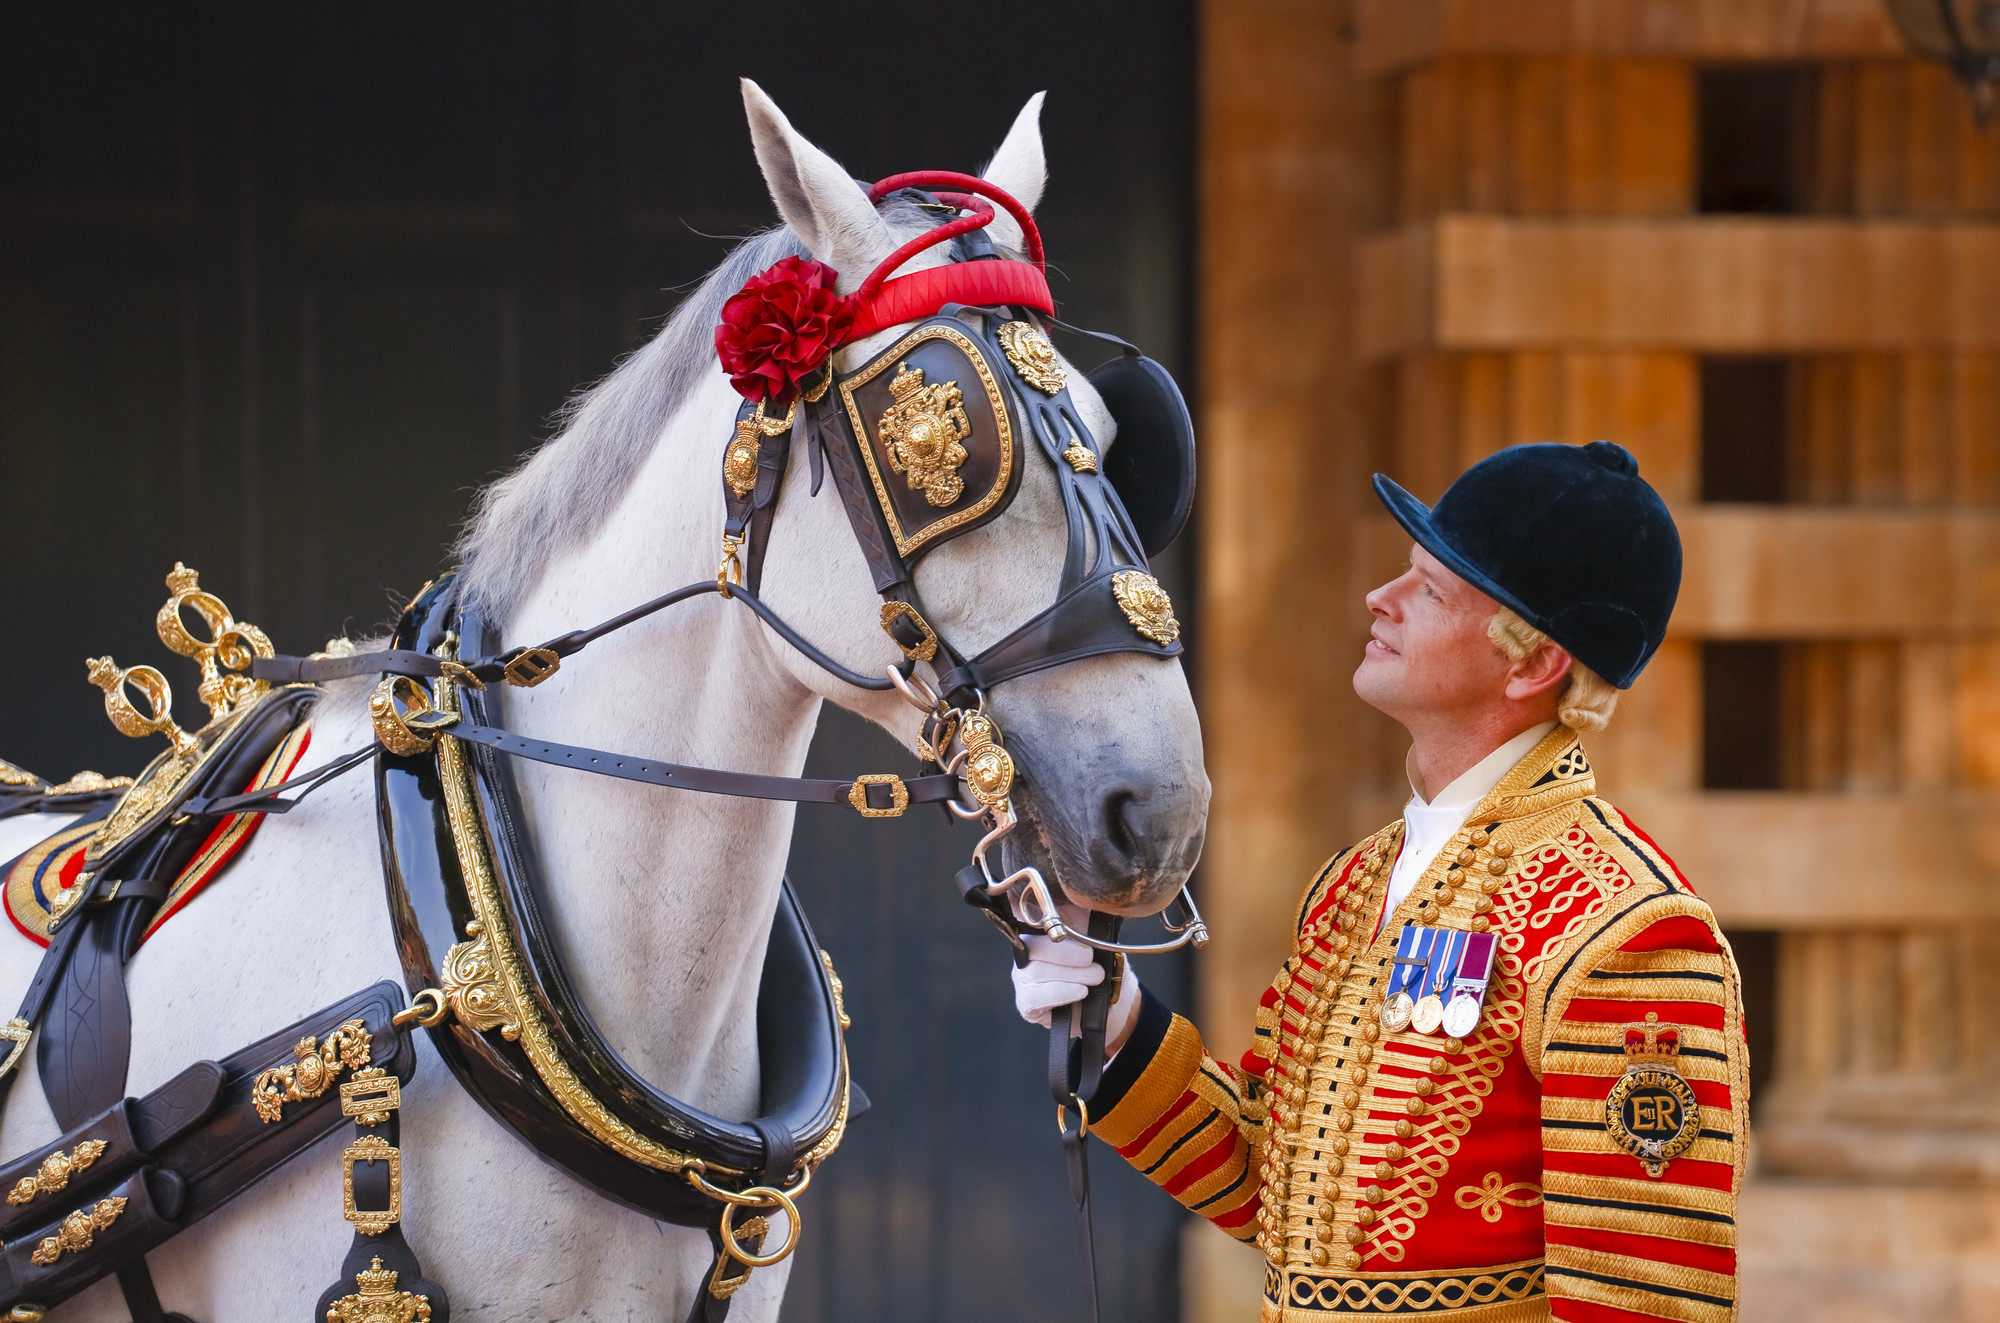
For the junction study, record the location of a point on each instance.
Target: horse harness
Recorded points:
(925, 442)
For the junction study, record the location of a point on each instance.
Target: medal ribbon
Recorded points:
(1446, 947)
(1475, 967)
(1413, 947)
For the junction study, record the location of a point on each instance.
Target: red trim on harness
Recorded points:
(981, 284)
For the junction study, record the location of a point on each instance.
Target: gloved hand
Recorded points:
(1058, 973)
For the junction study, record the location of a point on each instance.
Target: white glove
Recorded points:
(1059, 973)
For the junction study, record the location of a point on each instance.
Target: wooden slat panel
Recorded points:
(1399, 33)
(1824, 861)
(1735, 285)
(1777, 572)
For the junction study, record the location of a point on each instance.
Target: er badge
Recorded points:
(1652, 1113)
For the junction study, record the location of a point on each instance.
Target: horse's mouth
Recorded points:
(1067, 863)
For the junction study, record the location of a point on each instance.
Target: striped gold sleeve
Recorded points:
(1176, 1114)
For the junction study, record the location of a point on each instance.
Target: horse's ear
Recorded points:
(1020, 169)
(824, 206)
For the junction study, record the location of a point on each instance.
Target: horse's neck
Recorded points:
(662, 898)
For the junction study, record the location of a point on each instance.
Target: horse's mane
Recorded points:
(560, 494)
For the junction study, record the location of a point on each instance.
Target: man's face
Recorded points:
(1428, 655)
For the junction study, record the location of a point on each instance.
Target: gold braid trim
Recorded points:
(1459, 1294)
(1720, 1291)
(468, 834)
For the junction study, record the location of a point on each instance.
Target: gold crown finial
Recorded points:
(378, 1282)
(181, 579)
(1652, 1041)
(908, 382)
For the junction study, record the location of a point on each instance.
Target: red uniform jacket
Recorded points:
(1576, 1156)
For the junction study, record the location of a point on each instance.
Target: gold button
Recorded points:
(1480, 923)
(1425, 1088)
(1324, 1231)
(1416, 1107)
(1334, 1166)
(1437, 1065)
(1340, 942)
(1395, 1152)
(1350, 1260)
(1465, 858)
(1446, 899)
(1319, 1256)
(1359, 1074)
(1371, 1031)
(1492, 886)
(1343, 1120)
(1307, 1051)
(1364, 1053)
(1504, 851)
(1352, 1235)
(1366, 1216)
(1383, 1171)
(1497, 867)
(1338, 1143)
(1484, 905)
(1404, 1129)
(1350, 1099)
(1454, 1047)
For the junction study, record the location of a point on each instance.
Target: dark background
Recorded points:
(280, 286)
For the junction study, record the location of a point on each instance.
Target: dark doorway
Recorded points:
(281, 285)
(1755, 123)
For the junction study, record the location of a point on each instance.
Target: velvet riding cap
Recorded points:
(1570, 537)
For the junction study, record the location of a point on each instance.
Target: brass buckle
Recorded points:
(857, 795)
(17, 1032)
(531, 666)
(370, 1096)
(404, 720)
(925, 650)
(371, 1148)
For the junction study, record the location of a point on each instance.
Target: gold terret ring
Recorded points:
(404, 721)
(757, 1196)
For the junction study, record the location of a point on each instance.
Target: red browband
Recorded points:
(881, 301)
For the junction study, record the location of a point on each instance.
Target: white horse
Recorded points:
(663, 897)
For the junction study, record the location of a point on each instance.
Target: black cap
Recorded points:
(1570, 537)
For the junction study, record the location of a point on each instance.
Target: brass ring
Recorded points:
(427, 1009)
(1062, 1118)
(770, 1195)
(394, 724)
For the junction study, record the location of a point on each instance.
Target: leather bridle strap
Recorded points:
(404, 661)
(1076, 1066)
(880, 795)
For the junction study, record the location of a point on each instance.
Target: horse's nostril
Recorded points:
(1123, 826)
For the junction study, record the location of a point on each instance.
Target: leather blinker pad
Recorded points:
(1151, 463)
(931, 420)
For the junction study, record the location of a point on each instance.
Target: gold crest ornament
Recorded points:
(1033, 356)
(1652, 1112)
(739, 462)
(11, 775)
(55, 1171)
(923, 432)
(378, 1301)
(1079, 458)
(989, 769)
(78, 1230)
(318, 1065)
(1146, 605)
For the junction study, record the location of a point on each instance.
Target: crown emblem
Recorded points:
(923, 432)
(908, 382)
(378, 1300)
(1652, 1043)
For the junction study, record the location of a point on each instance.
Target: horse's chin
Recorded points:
(1080, 878)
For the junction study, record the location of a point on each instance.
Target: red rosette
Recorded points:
(780, 328)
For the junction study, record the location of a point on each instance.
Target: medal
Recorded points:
(1468, 986)
(1409, 965)
(1429, 1011)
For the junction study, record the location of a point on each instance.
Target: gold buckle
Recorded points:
(371, 1148)
(899, 794)
(370, 1096)
(924, 651)
(529, 668)
(404, 720)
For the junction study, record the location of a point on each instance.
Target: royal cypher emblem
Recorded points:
(923, 431)
(1146, 605)
(1032, 356)
(1652, 1113)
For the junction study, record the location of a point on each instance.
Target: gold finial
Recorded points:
(152, 686)
(230, 646)
(908, 382)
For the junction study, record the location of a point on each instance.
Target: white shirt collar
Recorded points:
(1474, 783)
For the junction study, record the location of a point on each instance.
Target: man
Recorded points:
(1502, 1075)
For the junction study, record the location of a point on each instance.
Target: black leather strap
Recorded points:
(1076, 1064)
(629, 767)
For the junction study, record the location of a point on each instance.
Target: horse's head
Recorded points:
(1110, 786)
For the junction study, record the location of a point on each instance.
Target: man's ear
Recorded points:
(1542, 670)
